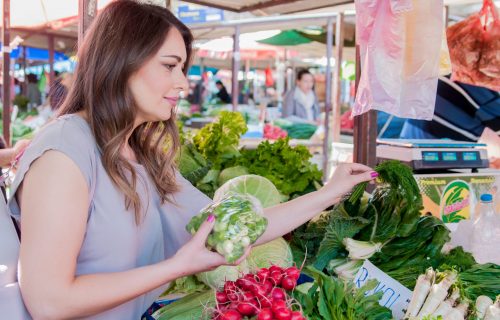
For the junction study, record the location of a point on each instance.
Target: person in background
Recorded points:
(101, 204)
(59, 90)
(300, 102)
(222, 93)
(33, 94)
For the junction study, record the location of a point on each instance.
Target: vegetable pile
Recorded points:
(262, 295)
(439, 296)
(213, 157)
(238, 223)
(330, 298)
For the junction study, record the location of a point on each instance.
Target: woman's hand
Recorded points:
(194, 255)
(344, 179)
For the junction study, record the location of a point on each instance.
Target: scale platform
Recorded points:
(432, 154)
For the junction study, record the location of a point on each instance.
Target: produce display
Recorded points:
(263, 295)
(212, 157)
(296, 130)
(384, 227)
(238, 223)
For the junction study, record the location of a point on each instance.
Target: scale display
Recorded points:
(433, 157)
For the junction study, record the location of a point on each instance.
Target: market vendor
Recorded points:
(301, 102)
(101, 206)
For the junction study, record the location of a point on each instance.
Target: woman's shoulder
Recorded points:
(70, 130)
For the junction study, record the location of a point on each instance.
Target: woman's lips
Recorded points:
(173, 101)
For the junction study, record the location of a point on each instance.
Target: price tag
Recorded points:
(396, 296)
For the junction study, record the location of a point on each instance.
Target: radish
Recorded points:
(437, 294)
(482, 303)
(221, 297)
(275, 268)
(283, 314)
(229, 287)
(276, 277)
(457, 313)
(293, 272)
(232, 296)
(288, 283)
(231, 315)
(278, 304)
(265, 314)
(424, 282)
(247, 309)
(447, 305)
(278, 294)
(263, 274)
(296, 315)
(268, 286)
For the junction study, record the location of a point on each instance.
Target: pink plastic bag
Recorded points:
(400, 44)
(474, 45)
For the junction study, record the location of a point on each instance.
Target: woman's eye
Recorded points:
(170, 67)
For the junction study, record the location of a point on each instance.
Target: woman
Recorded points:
(101, 206)
(301, 102)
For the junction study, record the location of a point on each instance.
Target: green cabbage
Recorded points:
(230, 173)
(254, 185)
(276, 252)
(215, 279)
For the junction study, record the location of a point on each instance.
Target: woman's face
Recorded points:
(157, 84)
(306, 83)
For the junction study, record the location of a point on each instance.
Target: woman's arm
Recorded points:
(285, 217)
(54, 205)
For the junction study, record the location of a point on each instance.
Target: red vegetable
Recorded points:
(231, 315)
(229, 287)
(283, 314)
(288, 283)
(265, 314)
(268, 286)
(293, 272)
(296, 315)
(247, 309)
(276, 277)
(275, 268)
(263, 274)
(221, 297)
(278, 294)
(278, 304)
(232, 296)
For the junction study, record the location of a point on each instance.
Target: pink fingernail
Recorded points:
(211, 218)
(374, 174)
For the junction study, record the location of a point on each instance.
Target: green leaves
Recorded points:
(331, 247)
(218, 141)
(288, 168)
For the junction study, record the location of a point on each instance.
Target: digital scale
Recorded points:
(432, 154)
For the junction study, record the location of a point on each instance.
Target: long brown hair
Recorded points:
(123, 36)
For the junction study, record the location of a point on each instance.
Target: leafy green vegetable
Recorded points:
(192, 306)
(239, 222)
(458, 259)
(276, 252)
(481, 279)
(230, 173)
(307, 238)
(215, 279)
(218, 141)
(332, 246)
(288, 168)
(254, 185)
(330, 298)
(192, 165)
(186, 285)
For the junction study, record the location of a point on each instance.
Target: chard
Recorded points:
(361, 250)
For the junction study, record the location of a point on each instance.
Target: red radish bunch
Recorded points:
(260, 296)
(272, 132)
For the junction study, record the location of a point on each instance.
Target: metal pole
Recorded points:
(86, 13)
(328, 98)
(365, 129)
(236, 66)
(339, 47)
(446, 16)
(51, 59)
(6, 68)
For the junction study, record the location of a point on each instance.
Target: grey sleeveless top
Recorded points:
(113, 242)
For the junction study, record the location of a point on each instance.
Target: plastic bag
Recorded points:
(400, 43)
(239, 222)
(474, 45)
